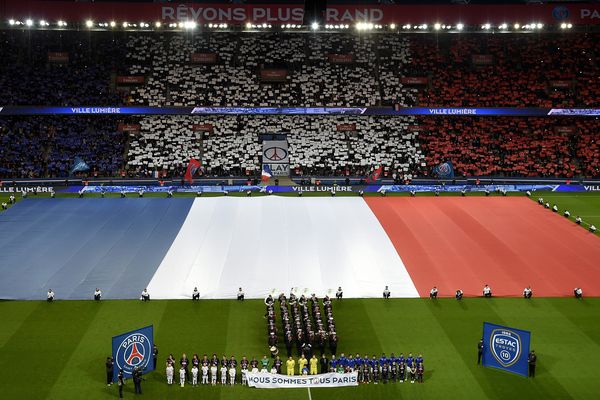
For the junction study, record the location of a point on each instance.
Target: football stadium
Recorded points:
(343, 199)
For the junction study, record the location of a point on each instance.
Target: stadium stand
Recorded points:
(318, 145)
(315, 69)
(46, 146)
(524, 147)
(345, 69)
(58, 68)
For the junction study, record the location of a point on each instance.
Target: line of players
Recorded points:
(370, 370)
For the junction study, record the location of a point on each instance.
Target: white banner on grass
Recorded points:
(264, 380)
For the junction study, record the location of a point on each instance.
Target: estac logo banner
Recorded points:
(133, 349)
(506, 348)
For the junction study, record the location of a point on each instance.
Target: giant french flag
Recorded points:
(269, 244)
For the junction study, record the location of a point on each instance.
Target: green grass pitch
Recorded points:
(57, 351)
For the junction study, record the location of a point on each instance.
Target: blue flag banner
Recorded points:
(133, 349)
(444, 170)
(506, 348)
(79, 166)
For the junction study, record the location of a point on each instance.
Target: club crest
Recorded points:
(134, 351)
(505, 346)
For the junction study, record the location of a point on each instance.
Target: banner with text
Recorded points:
(133, 350)
(396, 110)
(276, 156)
(472, 14)
(505, 348)
(264, 380)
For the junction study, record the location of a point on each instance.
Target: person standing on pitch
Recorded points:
(459, 294)
(195, 375)
(110, 365)
(137, 380)
(479, 351)
(50, 296)
(313, 365)
(324, 364)
(184, 362)
(154, 355)
(531, 360)
(240, 295)
(195, 294)
(224, 374)
(145, 295)
(290, 364)
(97, 294)
(339, 294)
(527, 293)
(120, 383)
(205, 373)
(213, 374)
(182, 376)
(170, 371)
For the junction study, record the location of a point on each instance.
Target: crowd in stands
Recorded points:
(58, 68)
(342, 69)
(484, 70)
(547, 147)
(343, 146)
(229, 146)
(34, 147)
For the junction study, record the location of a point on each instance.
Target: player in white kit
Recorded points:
(232, 372)
(182, 377)
(205, 374)
(170, 371)
(195, 375)
(213, 375)
(224, 375)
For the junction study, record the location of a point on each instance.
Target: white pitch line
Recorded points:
(309, 395)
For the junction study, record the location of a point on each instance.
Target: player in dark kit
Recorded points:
(385, 373)
(109, 370)
(278, 364)
(420, 372)
(375, 375)
(479, 351)
(120, 383)
(402, 372)
(184, 362)
(394, 372)
(324, 364)
(531, 360)
(154, 355)
(137, 380)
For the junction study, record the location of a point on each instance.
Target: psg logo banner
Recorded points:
(505, 348)
(133, 349)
